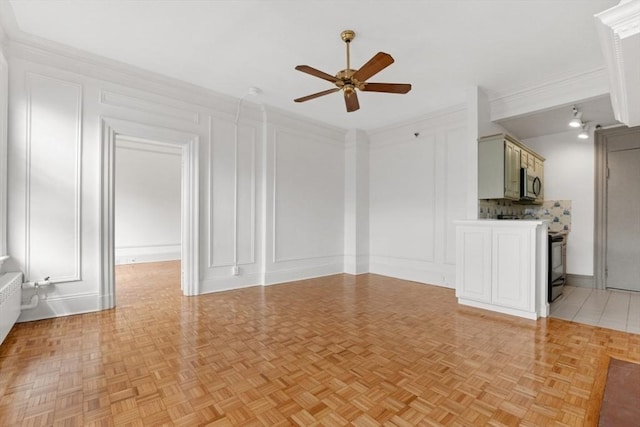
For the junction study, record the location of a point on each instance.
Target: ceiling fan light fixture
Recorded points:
(348, 90)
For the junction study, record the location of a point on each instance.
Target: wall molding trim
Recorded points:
(142, 146)
(563, 90)
(156, 108)
(111, 129)
(76, 61)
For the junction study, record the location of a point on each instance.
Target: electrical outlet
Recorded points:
(235, 270)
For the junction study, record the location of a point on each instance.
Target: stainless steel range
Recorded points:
(557, 264)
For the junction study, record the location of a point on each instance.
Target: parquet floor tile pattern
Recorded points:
(333, 351)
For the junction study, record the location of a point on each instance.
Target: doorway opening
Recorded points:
(617, 214)
(118, 134)
(147, 212)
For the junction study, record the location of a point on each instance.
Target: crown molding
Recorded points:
(564, 90)
(406, 130)
(76, 61)
(281, 118)
(619, 32)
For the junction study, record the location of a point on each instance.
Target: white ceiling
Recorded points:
(596, 111)
(441, 47)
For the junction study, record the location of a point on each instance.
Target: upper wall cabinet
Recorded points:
(500, 158)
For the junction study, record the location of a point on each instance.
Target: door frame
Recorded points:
(601, 138)
(189, 145)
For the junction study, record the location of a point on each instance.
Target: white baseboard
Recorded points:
(415, 271)
(504, 310)
(356, 264)
(151, 253)
(63, 306)
(581, 281)
(293, 274)
(229, 283)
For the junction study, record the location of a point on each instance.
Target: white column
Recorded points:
(356, 212)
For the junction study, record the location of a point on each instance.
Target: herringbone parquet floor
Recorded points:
(333, 351)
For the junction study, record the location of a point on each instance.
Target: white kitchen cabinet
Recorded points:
(510, 268)
(501, 266)
(474, 274)
(512, 154)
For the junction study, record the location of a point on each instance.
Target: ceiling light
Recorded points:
(584, 133)
(576, 122)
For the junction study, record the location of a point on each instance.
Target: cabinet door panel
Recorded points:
(512, 160)
(473, 263)
(511, 268)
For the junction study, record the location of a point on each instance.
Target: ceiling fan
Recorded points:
(348, 80)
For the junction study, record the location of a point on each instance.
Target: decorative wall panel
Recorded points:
(233, 194)
(308, 197)
(53, 179)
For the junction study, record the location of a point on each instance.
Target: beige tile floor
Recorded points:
(613, 309)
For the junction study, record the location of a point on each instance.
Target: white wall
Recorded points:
(147, 202)
(418, 187)
(356, 203)
(271, 186)
(304, 213)
(4, 100)
(569, 175)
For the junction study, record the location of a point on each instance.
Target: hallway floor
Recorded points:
(613, 309)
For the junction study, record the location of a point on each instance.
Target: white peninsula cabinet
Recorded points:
(501, 265)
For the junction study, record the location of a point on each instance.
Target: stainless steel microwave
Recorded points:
(530, 185)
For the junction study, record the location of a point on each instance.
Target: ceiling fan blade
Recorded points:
(351, 99)
(317, 73)
(387, 87)
(379, 62)
(317, 95)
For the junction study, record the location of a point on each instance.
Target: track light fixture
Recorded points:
(584, 133)
(576, 122)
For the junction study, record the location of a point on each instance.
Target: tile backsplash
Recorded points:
(490, 209)
(558, 212)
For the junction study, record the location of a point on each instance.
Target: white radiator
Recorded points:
(10, 300)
